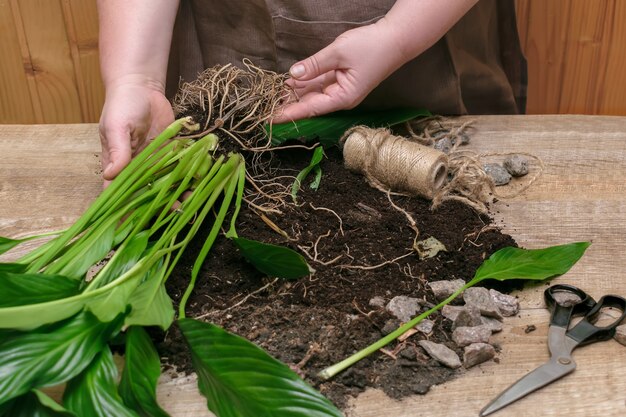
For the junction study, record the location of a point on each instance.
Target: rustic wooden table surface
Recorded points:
(50, 173)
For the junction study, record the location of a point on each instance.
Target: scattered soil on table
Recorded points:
(319, 320)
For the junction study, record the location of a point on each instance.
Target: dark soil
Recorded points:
(319, 320)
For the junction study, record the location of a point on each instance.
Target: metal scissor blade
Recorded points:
(532, 381)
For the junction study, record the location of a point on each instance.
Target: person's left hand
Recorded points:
(341, 75)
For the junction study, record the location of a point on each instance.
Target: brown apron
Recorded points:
(476, 68)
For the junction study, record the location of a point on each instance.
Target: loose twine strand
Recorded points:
(410, 166)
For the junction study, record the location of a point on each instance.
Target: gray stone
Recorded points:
(444, 145)
(451, 312)
(498, 174)
(425, 326)
(468, 316)
(403, 307)
(444, 289)
(494, 324)
(516, 165)
(480, 298)
(441, 353)
(477, 353)
(377, 301)
(507, 304)
(620, 334)
(390, 326)
(464, 336)
(566, 299)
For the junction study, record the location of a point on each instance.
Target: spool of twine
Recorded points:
(393, 162)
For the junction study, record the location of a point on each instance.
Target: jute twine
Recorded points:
(393, 162)
(411, 166)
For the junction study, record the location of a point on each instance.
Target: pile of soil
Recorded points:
(347, 228)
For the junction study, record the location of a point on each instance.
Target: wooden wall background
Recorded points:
(49, 73)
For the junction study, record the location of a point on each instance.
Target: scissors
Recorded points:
(565, 302)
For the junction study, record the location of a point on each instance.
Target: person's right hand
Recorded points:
(134, 112)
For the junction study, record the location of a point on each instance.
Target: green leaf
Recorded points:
(7, 244)
(273, 260)
(241, 380)
(141, 373)
(329, 128)
(92, 250)
(317, 157)
(23, 289)
(106, 303)
(536, 264)
(150, 303)
(34, 404)
(51, 354)
(93, 392)
(13, 267)
(124, 259)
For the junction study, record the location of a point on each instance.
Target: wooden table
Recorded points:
(49, 174)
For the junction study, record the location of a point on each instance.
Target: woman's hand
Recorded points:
(341, 75)
(134, 112)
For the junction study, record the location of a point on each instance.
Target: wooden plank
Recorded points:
(81, 21)
(544, 52)
(580, 197)
(613, 89)
(49, 51)
(15, 100)
(586, 46)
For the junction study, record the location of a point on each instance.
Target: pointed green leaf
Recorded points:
(141, 373)
(34, 404)
(13, 267)
(7, 244)
(23, 289)
(273, 260)
(94, 393)
(106, 303)
(241, 380)
(92, 250)
(536, 264)
(151, 306)
(317, 157)
(329, 128)
(124, 259)
(51, 354)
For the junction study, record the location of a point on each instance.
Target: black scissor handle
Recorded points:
(586, 331)
(562, 314)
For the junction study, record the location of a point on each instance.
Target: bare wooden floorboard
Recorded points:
(48, 176)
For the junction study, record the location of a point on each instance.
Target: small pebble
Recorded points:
(403, 307)
(464, 336)
(516, 165)
(480, 298)
(425, 326)
(377, 301)
(497, 172)
(620, 334)
(507, 304)
(444, 289)
(444, 145)
(468, 316)
(441, 353)
(477, 353)
(494, 325)
(451, 312)
(530, 328)
(390, 326)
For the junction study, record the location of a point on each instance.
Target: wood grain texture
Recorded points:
(49, 176)
(50, 57)
(15, 99)
(575, 52)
